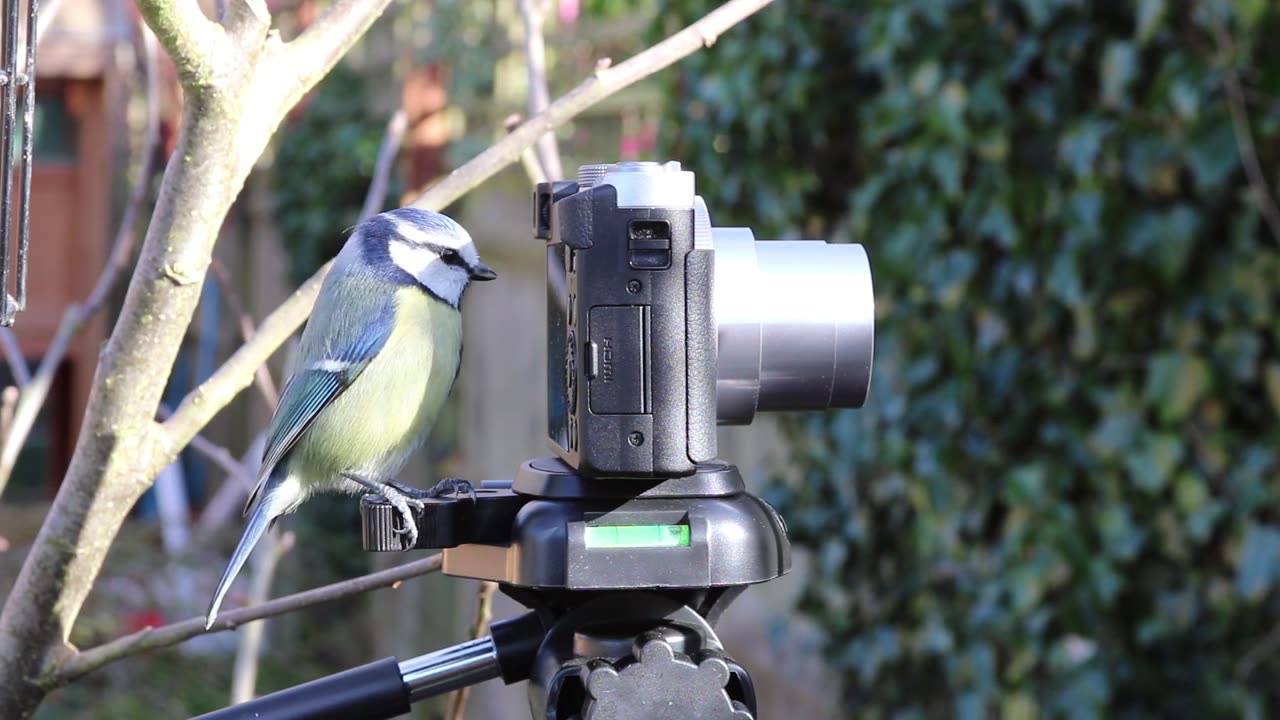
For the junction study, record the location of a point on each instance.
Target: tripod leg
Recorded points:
(393, 492)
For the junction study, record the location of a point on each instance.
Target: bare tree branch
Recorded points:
(236, 93)
(8, 399)
(246, 21)
(87, 661)
(34, 392)
(199, 407)
(223, 458)
(196, 43)
(122, 247)
(387, 153)
(48, 12)
(202, 403)
(226, 503)
(262, 376)
(535, 53)
(13, 355)
(219, 389)
(218, 455)
(528, 160)
(244, 672)
(484, 613)
(31, 396)
(600, 85)
(313, 53)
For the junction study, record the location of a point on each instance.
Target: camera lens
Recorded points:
(795, 325)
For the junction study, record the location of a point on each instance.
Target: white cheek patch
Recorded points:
(444, 280)
(412, 260)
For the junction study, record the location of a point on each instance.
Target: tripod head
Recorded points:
(629, 542)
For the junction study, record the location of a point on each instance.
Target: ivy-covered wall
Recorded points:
(1061, 499)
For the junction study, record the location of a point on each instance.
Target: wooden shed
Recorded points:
(78, 122)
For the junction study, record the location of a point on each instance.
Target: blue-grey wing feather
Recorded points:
(353, 337)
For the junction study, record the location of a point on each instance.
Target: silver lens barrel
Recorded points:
(796, 325)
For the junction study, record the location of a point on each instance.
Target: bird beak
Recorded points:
(480, 271)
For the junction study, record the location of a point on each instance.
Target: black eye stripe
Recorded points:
(449, 255)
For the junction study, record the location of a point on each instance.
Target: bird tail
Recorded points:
(279, 495)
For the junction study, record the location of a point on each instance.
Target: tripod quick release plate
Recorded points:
(694, 532)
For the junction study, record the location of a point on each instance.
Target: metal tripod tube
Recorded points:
(450, 668)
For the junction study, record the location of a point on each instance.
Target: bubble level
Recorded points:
(636, 536)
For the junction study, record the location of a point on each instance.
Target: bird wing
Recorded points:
(351, 342)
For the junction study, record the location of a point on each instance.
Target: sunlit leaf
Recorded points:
(1175, 381)
(1259, 565)
(1119, 68)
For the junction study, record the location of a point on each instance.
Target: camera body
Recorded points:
(661, 326)
(630, 334)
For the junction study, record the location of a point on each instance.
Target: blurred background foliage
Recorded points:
(1061, 497)
(332, 141)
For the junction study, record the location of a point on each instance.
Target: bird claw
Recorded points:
(410, 524)
(417, 498)
(448, 486)
(453, 486)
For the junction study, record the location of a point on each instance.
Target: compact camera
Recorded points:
(661, 326)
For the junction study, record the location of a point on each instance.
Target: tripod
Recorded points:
(628, 546)
(624, 581)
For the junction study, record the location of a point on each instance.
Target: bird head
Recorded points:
(431, 248)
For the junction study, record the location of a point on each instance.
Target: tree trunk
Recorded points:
(120, 450)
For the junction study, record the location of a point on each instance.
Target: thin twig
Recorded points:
(319, 47)
(528, 160)
(32, 395)
(86, 661)
(387, 152)
(244, 673)
(227, 501)
(217, 454)
(1259, 189)
(604, 82)
(122, 247)
(36, 391)
(484, 613)
(223, 458)
(13, 355)
(202, 403)
(48, 12)
(535, 54)
(235, 374)
(262, 376)
(8, 399)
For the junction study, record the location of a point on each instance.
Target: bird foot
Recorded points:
(403, 497)
(393, 493)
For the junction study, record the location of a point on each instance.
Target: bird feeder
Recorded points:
(18, 88)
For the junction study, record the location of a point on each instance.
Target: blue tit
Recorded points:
(377, 360)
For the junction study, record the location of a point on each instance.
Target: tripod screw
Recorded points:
(661, 685)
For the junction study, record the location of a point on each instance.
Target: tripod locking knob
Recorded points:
(661, 685)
